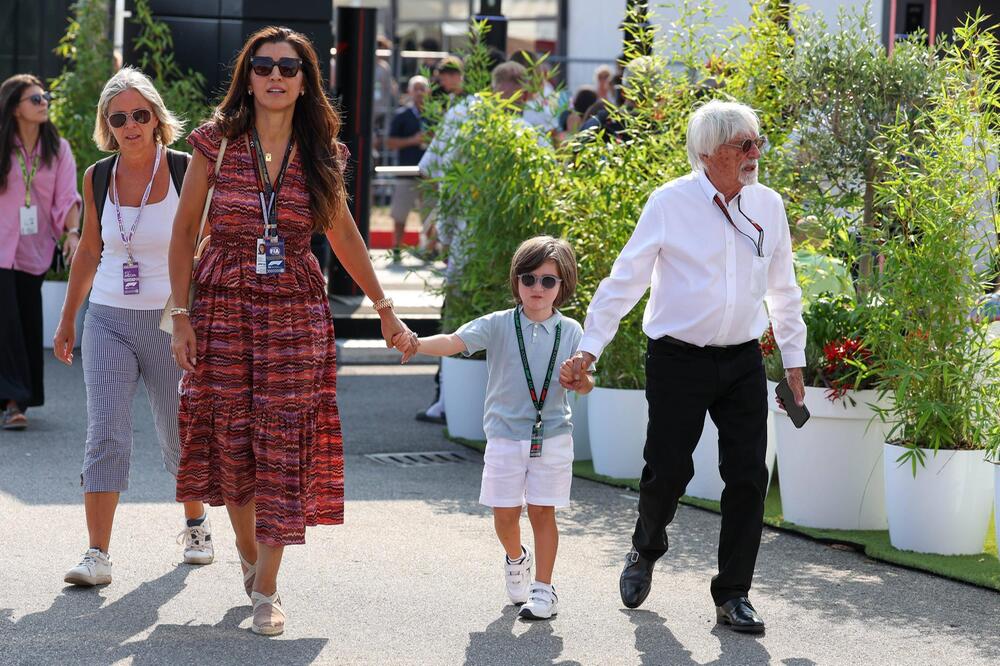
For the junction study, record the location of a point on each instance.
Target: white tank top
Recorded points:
(149, 248)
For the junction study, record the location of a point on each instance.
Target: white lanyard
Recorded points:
(127, 240)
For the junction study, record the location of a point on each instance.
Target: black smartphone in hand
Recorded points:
(798, 415)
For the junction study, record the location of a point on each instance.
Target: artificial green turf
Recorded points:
(982, 570)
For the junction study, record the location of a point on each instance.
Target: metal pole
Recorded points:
(355, 85)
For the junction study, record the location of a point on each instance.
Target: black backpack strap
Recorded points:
(101, 180)
(177, 162)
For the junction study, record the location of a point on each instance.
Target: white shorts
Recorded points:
(511, 477)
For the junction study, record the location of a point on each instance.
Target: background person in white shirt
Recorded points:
(712, 246)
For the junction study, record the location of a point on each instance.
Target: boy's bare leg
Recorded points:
(543, 524)
(507, 522)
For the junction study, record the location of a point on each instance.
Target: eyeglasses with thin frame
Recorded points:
(548, 281)
(264, 65)
(747, 144)
(37, 98)
(119, 118)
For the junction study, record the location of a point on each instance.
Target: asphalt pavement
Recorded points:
(414, 576)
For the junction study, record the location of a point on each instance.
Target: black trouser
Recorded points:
(21, 359)
(682, 383)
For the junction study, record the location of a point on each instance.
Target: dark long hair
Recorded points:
(10, 96)
(315, 124)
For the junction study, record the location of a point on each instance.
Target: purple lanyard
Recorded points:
(127, 240)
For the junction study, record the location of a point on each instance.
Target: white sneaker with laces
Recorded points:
(197, 541)
(517, 576)
(542, 603)
(93, 569)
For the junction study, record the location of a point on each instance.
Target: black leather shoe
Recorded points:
(422, 415)
(636, 579)
(739, 615)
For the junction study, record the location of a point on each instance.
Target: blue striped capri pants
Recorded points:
(119, 347)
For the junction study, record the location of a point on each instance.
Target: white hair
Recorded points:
(418, 79)
(716, 123)
(130, 77)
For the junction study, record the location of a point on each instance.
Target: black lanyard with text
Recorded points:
(537, 401)
(268, 193)
(759, 244)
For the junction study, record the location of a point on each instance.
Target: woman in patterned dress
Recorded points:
(260, 430)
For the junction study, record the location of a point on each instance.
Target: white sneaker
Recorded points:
(517, 576)
(93, 569)
(197, 543)
(542, 603)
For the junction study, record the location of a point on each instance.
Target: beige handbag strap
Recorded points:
(211, 193)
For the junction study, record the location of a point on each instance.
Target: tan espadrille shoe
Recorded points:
(268, 616)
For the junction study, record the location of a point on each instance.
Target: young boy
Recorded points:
(529, 441)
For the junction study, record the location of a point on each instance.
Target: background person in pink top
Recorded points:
(38, 203)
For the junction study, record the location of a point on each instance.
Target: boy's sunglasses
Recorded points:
(37, 98)
(747, 144)
(264, 65)
(548, 281)
(119, 118)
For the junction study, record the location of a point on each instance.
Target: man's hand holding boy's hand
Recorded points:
(574, 375)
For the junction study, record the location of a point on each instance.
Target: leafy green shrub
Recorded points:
(936, 361)
(87, 52)
(183, 92)
(850, 89)
(505, 186)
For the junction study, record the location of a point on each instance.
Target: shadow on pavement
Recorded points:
(656, 644)
(499, 644)
(78, 628)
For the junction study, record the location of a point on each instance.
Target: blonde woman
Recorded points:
(129, 203)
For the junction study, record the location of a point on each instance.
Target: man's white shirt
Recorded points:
(708, 284)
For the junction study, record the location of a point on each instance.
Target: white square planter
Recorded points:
(946, 508)
(463, 384)
(53, 295)
(831, 469)
(579, 407)
(618, 419)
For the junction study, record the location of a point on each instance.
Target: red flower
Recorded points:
(838, 370)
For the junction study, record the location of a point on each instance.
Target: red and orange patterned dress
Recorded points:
(258, 416)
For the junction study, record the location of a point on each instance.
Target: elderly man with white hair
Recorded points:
(712, 246)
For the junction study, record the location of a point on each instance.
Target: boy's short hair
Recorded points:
(534, 252)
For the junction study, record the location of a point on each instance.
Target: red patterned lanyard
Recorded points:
(759, 244)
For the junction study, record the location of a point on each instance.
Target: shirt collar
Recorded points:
(708, 188)
(549, 324)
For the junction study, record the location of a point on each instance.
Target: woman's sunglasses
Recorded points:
(37, 98)
(548, 281)
(264, 65)
(119, 118)
(747, 144)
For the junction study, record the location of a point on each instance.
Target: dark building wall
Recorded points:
(209, 33)
(29, 31)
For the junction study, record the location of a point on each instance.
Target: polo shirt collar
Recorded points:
(549, 324)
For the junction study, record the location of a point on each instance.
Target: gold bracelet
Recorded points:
(382, 304)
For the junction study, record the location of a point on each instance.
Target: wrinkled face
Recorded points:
(132, 134)
(537, 297)
(274, 91)
(731, 168)
(27, 111)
